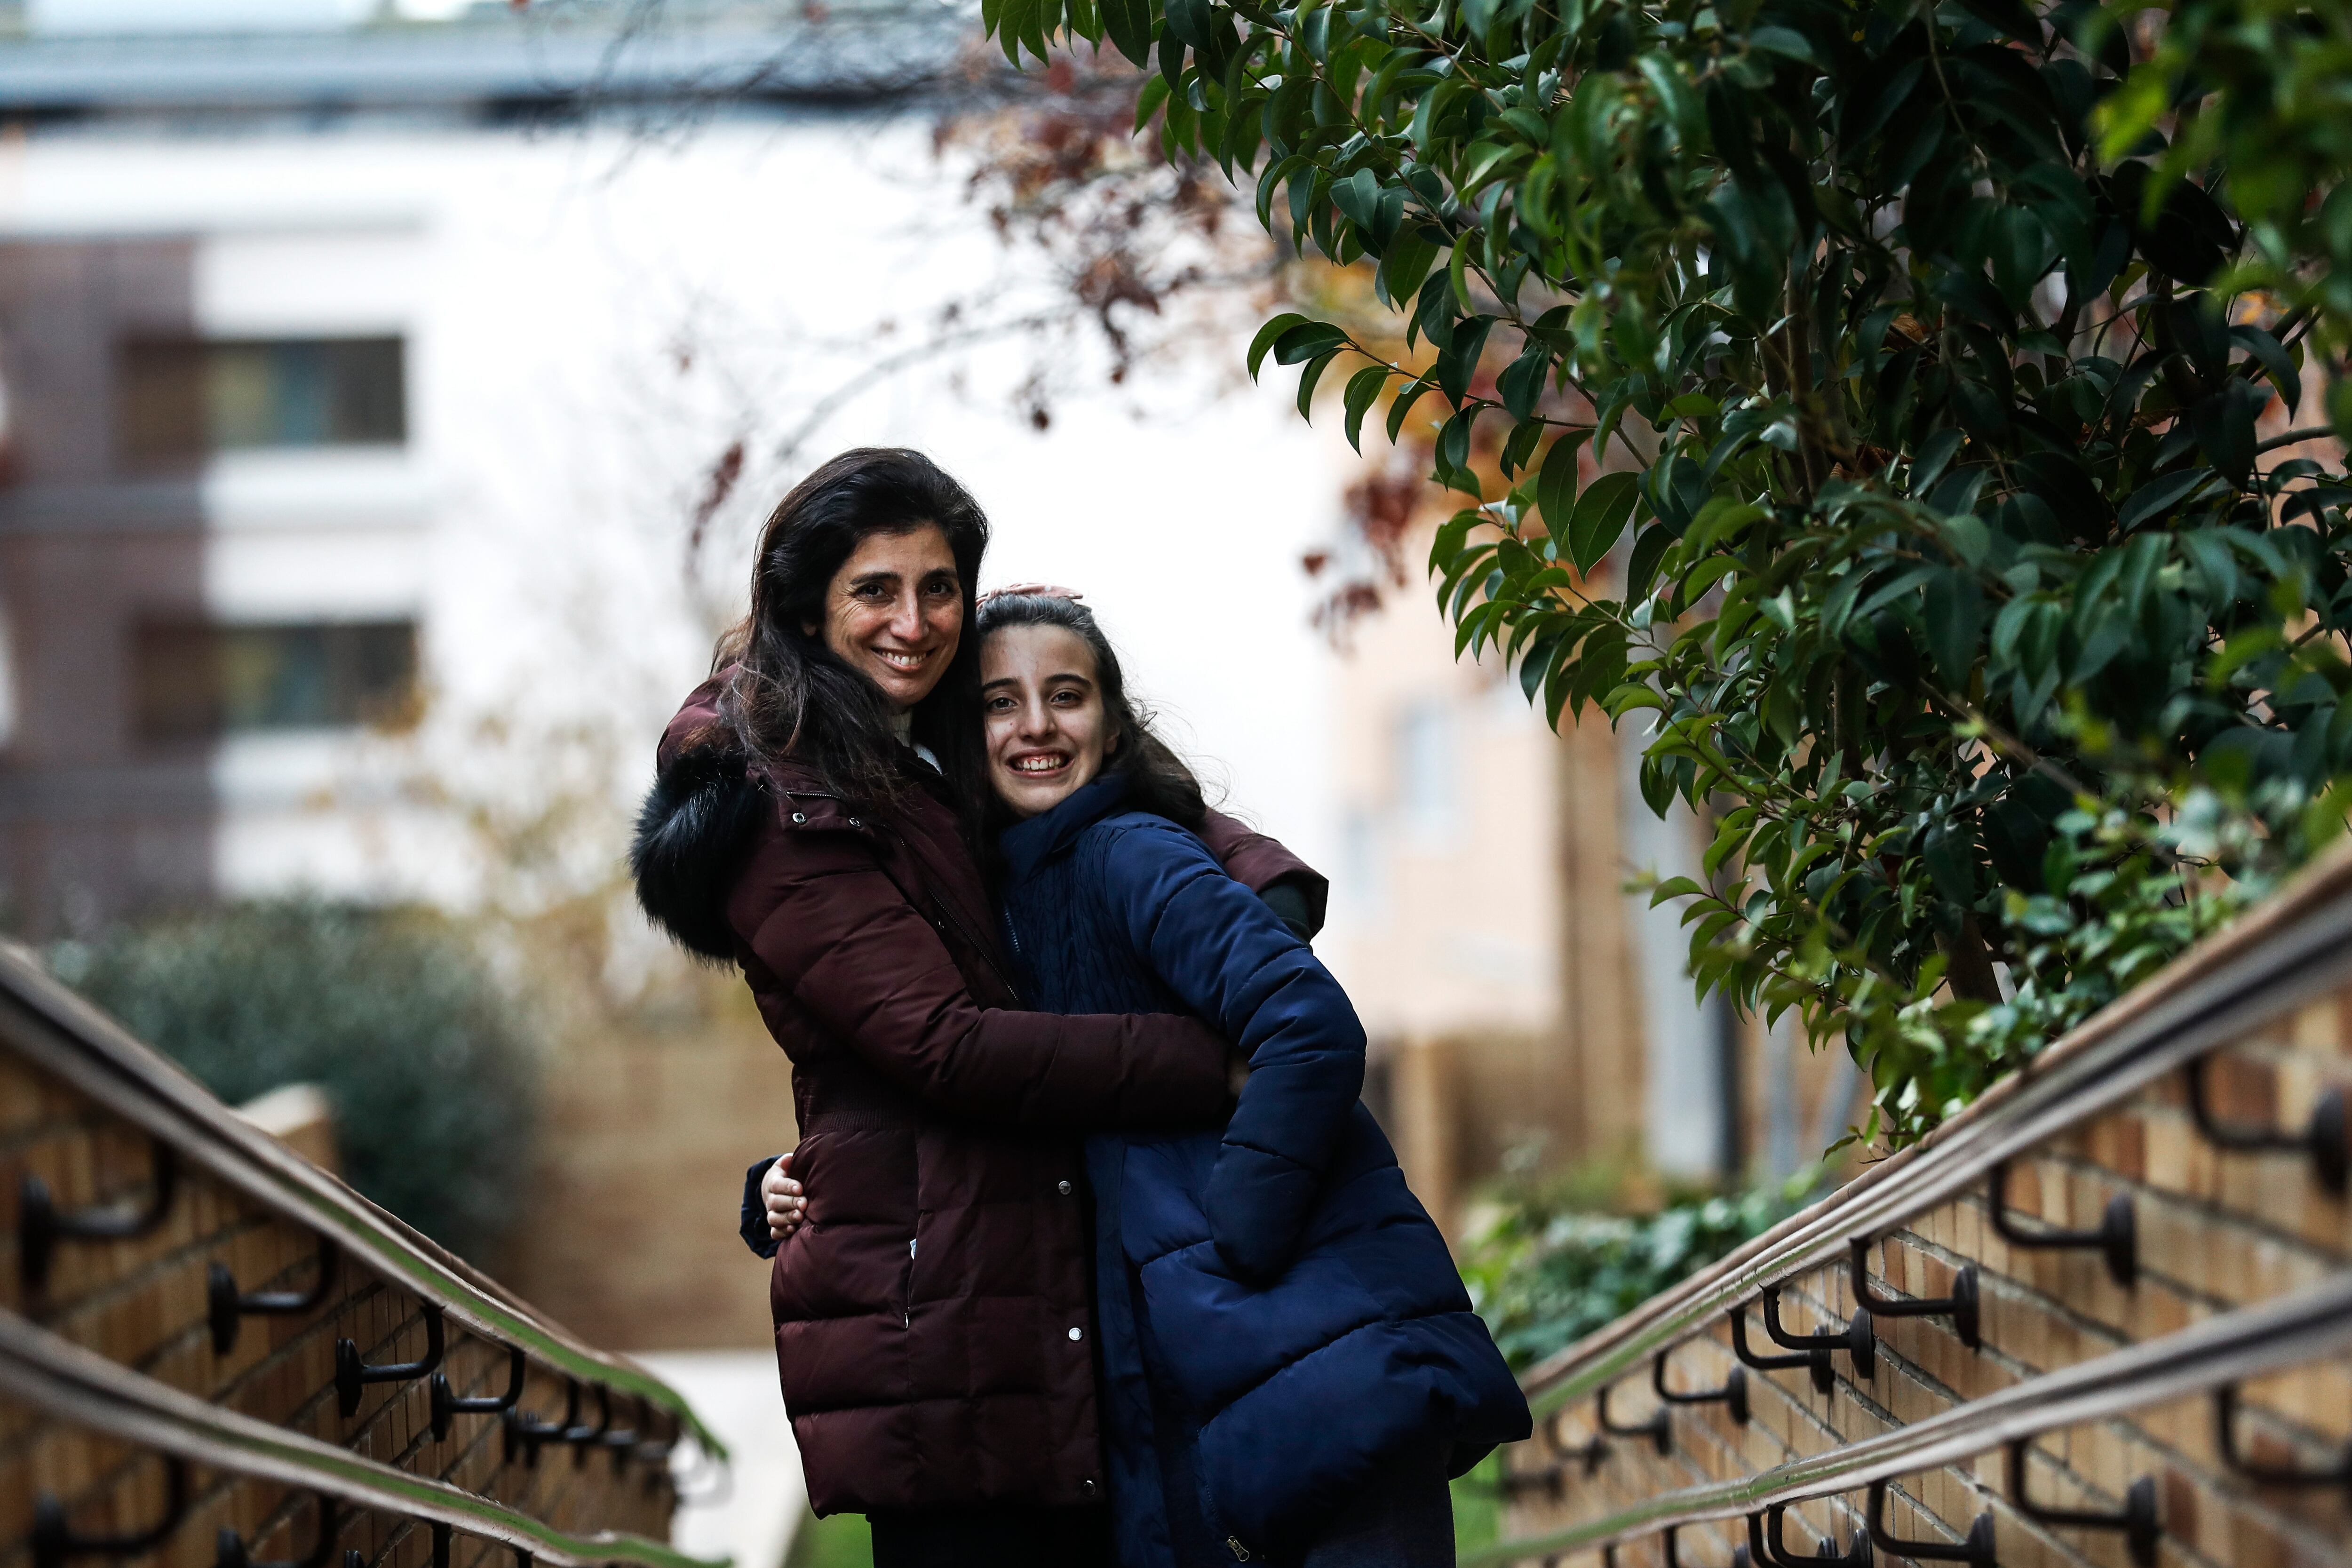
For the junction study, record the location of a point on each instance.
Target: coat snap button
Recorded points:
(854, 823)
(1086, 1486)
(910, 1248)
(1076, 1334)
(1066, 1189)
(800, 816)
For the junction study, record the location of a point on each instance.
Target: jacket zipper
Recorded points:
(947, 912)
(946, 909)
(978, 947)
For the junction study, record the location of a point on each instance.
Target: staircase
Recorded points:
(2103, 1319)
(214, 1354)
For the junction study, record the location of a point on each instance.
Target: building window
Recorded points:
(1364, 863)
(1426, 771)
(197, 682)
(181, 400)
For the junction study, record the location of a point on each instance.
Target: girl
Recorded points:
(932, 1317)
(1291, 1366)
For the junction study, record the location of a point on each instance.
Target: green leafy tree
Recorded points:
(423, 1055)
(1914, 418)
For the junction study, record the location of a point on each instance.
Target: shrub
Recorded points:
(424, 1056)
(1544, 1274)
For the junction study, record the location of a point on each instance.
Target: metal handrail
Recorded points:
(64, 1034)
(55, 1375)
(2287, 1332)
(2293, 949)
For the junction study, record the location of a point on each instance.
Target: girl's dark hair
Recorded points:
(791, 696)
(1157, 781)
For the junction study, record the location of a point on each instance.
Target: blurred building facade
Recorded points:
(91, 552)
(1530, 1012)
(212, 554)
(238, 341)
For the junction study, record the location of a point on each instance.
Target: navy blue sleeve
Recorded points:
(755, 1213)
(1233, 962)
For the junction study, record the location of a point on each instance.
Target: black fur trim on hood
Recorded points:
(690, 846)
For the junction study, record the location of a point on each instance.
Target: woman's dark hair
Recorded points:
(1158, 780)
(791, 695)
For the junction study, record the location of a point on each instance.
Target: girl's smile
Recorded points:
(1042, 708)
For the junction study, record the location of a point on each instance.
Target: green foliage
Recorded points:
(1544, 1275)
(1933, 1056)
(393, 1014)
(2268, 94)
(1883, 403)
(838, 1540)
(1478, 1504)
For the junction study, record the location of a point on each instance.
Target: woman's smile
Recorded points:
(894, 612)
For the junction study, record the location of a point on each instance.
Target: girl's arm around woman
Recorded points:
(1233, 960)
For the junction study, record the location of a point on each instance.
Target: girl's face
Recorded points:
(1045, 728)
(895, 612)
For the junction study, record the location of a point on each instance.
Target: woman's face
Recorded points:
(1045, 728)
(895, 612)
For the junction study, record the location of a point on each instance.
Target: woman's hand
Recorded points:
(781, 1195)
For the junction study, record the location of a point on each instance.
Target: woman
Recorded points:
(1291, 1363)
(932, 1320)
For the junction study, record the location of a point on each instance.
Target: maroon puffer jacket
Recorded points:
(932, 1322)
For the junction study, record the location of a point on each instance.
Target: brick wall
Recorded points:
(630, 1220)
(2217, 1230)
(141, 1304)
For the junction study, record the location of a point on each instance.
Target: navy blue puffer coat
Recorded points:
(1278, 1314)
